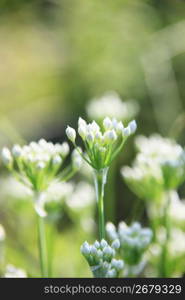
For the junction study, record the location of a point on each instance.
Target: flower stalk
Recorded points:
(42, 245)
(100, 178)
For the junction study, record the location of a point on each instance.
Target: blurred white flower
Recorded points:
(82, 196)
(2, 233)
(177, 243)
(177, 208)
(111, 105)
(13, 272)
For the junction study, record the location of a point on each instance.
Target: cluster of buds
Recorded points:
(101, 145)
(168, 156)
(111, 105)
(101, 258)
(38, 164)
(144, 178)
(159, 166)
(134, 240)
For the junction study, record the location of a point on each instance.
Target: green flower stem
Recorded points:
(110, 207)
(42, 245)
(163, 268)
(100, 178)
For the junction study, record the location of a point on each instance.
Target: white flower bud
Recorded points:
(111, 273)
(6, 156)
(90, 137)
(71, 134)
(85, 249)
(57, 160)
(99, 136)
(107, 123)
(96, 244)
(16, 151)
(108, 251)
(82, 130)
(119, 128)
(81, 122)
(42, 143)
(103, 243)
(117, 264)
(95, 127)
(133, 126)
(110, 136)
(126, 131)
(99, 254)
(93, 250)
(41, 165)
(116, 244)
(64, 150)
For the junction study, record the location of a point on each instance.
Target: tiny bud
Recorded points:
(116, 244)
(85, 249)
(103, 243)
(111, 273)
(6, 156)
(90, 137)
(64, 150)
(126, 131)
(41, 165)
(133, 126)
(71, 134)
(82, 131)
(107, 123)
(93, 250)
(110, 136)
(96, 244)
(107, 251)
(16, 151)
(81, 122)
(57, 160)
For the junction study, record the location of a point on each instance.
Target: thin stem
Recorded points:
(163, 268)
(100, 178)
(42, 245)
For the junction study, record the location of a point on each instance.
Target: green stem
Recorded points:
(163, 268)
(100, 178)
(42, 246)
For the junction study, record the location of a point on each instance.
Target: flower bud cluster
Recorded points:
(134, 240)
(159, 166)
(101, 258)
(38, 163)
(101, 145)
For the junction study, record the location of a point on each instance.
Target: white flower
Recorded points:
(111, 105)
(107, 123)
(13, 272)
(6, 156)
(16, 151)
(71, 134)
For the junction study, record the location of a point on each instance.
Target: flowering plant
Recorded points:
(101, 146)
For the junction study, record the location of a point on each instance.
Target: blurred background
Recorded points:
(57, 55)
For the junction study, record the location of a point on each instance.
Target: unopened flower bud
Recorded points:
(103, 243)
(6, 156)
(107, 123)
(133, 126)
(16, 151)
(71, 134)
(116, 244)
